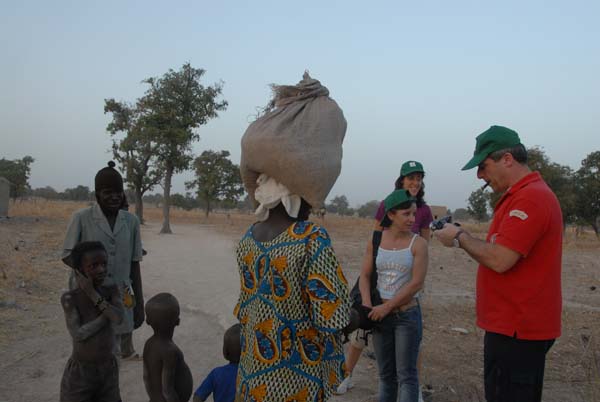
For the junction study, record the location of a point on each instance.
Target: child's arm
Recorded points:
(80, 332)
(113, 310)
(72, 237)
(136, 276)
(168, 376)
(205, 389)
(136, 283)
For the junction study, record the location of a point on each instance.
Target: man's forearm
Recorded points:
(136, 282)
(484, 253)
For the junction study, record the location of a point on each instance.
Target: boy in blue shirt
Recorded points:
(221, 380)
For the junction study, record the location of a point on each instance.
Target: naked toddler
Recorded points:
(166, 375)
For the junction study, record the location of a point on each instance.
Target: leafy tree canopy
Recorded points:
(217, 179)
(369, 209)
(339, 205)
(136, 151)
(17, 173)
(477, 207)
(461, 214)
(175, 105)
(558, 177)
(587, 193)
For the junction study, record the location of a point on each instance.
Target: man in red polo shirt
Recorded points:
(519, 277)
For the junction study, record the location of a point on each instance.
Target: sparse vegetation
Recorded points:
(32, 276)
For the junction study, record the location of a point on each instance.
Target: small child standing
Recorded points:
(91, 373)
(221, 380)
(166, 375)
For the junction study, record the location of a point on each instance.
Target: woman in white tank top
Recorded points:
(401, 266)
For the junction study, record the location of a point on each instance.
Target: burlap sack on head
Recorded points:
(298, 142)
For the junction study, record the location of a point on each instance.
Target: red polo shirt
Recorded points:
(526, 300)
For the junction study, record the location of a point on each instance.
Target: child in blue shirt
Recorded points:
(221, 380)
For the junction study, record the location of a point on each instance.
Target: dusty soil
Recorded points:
(197, 264)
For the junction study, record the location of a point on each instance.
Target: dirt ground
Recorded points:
(197, 264)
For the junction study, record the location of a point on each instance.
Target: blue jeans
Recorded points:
(396, 342)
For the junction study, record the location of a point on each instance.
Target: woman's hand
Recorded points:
(378, 313)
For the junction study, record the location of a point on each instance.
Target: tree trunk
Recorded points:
(166, 227)
(207, 209)
(595, 227)
(139, 205)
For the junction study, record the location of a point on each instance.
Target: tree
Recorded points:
(460, 214)
(47, 193)
(559, 179)
(175, 105)
(339, 205)
(137, 151)
(186, 202)
(155, 199)
(478, 205)
(245, 204)
(369, 209)
(79, 193)
(587, 193)
(17, 173)
(217, 179)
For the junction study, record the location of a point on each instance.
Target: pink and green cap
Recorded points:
(491, 140)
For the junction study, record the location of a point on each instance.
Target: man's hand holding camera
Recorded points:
(449, 235)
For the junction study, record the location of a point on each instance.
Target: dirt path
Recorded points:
(195, 264)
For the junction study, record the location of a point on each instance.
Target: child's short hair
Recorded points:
(83, 248)
(162, 311)
(232, 347)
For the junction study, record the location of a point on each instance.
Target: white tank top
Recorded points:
(394, 269)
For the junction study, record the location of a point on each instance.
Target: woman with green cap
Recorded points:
(401, 266)
(410, 179)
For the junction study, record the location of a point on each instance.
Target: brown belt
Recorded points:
(413, 303)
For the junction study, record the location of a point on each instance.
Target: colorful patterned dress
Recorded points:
(293, 303)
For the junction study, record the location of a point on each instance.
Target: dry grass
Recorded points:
(31, 275)
(39, 207)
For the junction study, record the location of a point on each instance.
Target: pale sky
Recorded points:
(416, 80)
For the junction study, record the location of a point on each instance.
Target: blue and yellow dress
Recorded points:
(293, 303)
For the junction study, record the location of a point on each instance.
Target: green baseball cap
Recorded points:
(409, 167)
(396, 198)
(493, 139)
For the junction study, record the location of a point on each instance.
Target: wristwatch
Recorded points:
(455, 241)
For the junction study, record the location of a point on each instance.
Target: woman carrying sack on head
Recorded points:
(293, 300)
(401, 266)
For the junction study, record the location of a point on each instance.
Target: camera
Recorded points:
(439, 223)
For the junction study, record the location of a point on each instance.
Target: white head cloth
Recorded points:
(269, 193)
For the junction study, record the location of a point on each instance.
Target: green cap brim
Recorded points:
(475, 160)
